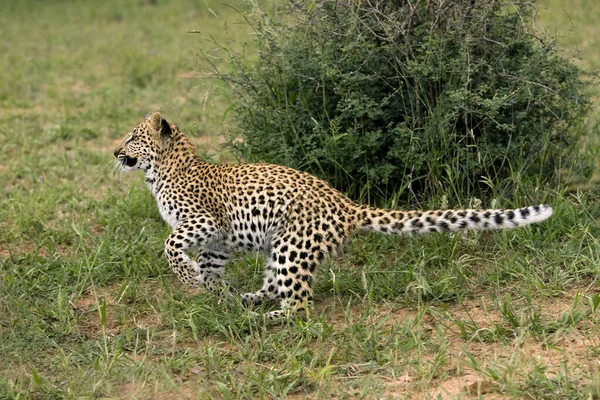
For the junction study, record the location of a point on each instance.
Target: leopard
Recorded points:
(295, 218)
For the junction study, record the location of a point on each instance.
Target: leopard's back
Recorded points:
(262, 200)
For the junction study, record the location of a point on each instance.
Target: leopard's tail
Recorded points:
(403, 222)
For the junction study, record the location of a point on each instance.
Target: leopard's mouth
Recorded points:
(126, 160)
(129, 161)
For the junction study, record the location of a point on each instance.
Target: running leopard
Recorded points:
(296, 218)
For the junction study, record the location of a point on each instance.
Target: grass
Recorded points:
(576, 28)
(88, 306)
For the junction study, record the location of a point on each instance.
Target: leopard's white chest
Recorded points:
(168, 214)
(166, 206)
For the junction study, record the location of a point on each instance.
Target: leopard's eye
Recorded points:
(131, 138)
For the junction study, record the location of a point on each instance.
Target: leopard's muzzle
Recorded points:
(125, 159)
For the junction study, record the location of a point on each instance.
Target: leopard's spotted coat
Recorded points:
(296, 218)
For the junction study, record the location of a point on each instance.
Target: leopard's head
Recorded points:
(141, 147)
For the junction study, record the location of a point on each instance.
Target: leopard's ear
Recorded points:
(161, 125)
(155, 121)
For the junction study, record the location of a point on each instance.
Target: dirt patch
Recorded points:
(147, 390)
(477, 337)
(467, 384)
(80, 87)
(4, 252)
(97, 314)
(568, 347)
(147, 321)
(101, 312)
(26, 246)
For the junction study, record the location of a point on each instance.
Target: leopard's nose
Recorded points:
(116, 153)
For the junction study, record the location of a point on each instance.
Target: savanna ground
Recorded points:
(88, 306)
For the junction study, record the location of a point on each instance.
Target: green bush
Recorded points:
(383, 96)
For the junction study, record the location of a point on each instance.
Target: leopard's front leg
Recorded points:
(196, 234)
